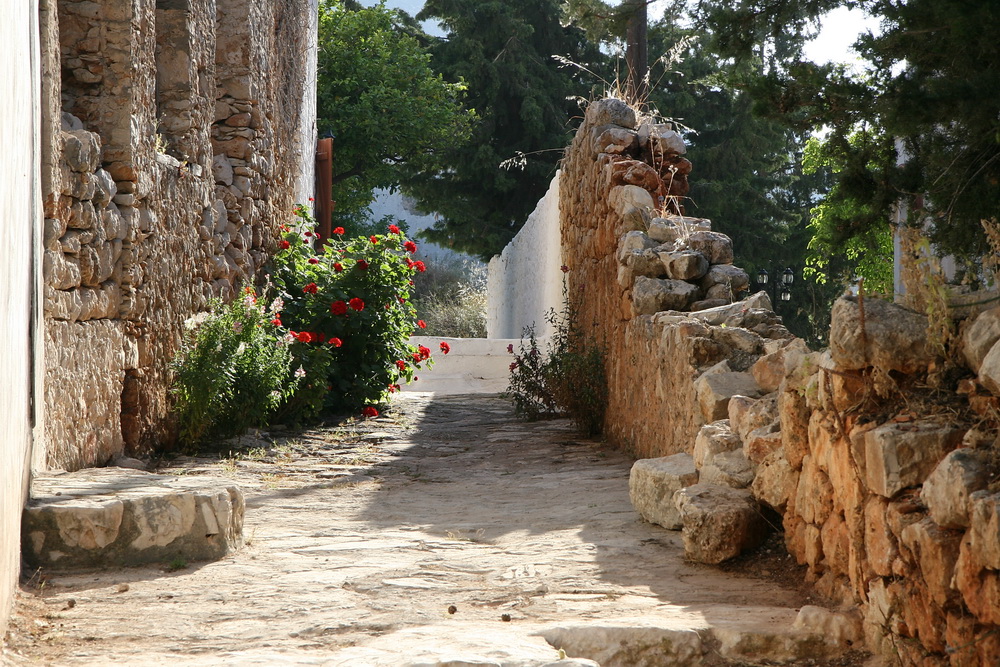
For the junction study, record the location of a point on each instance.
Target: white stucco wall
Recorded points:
(525, 280)
(306, 183)
(473, 366)
(19, 210)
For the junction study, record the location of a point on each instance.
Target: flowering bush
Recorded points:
(346, 306)
(232, 371)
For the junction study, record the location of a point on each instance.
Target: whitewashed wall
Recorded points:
(306, 183)
(525, 280)
(19, 210)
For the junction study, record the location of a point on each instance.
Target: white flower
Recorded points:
(300, 372)
(277, 305)
(241, 348)
(249, 300)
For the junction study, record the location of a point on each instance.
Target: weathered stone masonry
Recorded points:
(891, 503)
(172, 150)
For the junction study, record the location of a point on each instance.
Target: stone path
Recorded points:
(444, 533)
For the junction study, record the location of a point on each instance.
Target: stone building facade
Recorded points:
(176, 138)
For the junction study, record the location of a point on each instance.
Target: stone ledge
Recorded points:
(114, 517)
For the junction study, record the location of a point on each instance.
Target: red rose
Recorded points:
(445, 347)
(307, 234)
(276, 321)
(337, 266)
(338, 308)
(338, 230)
(402, 300)
(362, 264)
(369, 411)
(336, 342)
(421, 324)
(285, 244)
(410, 246)
(420, 266)
(313, 260)
(425, 352)
(416, 358)
(393, 229)
(303, 336)
(357, 304)
(400, 364)
(311, 288)
(373, 239)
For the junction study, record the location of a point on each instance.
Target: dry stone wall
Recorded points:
(653, 285)
(878, 458)
(173, 150)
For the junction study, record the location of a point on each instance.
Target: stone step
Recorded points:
(690, 637)
(114, 517)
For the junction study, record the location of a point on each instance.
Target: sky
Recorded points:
(840, 28)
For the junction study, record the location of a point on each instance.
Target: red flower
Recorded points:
(416, 358)
(313, 260)
(392, 389)
(419, 266)
(362, 264)
(276, 321)
(307, 234)
(400, 364)
(513, 366)
(410, 246)
(564, 268)
(303, 336)
(373, 239)
(401, 300)
(425, 352)
(311, 288)
(445, 347)
(311, 199)
(338, 308)
(357, 304)
(421, 324)
(336, 342)
(338, 230)
(283, 228)
(338, 267)
(409, 263)
(285, 244)
(393, 229)
(510, 348)
(369, 411)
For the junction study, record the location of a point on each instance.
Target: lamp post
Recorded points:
(778, 289)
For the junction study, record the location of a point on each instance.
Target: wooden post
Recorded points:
(324, 188)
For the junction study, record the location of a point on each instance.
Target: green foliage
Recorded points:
(232, 371)
(349, 316)
(930, 91)
(503, 51)
(450, 298)
(382, 102)
(568, 378)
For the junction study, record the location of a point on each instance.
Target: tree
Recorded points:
(920, 128)
(380, 99)
(503, 52)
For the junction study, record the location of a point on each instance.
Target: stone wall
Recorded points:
(881, 458)
(20, 217)
(636, 264)
(174, 147)
(524, 281)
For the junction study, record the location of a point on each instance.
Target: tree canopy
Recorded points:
(503, 52)
(921, 127)
(380, 99)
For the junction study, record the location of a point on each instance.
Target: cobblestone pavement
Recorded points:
(442, 530)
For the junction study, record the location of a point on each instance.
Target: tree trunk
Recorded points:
(636, 56)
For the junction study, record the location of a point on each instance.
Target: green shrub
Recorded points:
(567, 379)
(232, 371)
(348, 315)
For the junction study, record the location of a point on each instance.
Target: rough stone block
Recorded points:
(653, 483)
(719, 522)
(644, 263)
(775, 481)
(610, 112)
(842, 627)
(731, 469)
(748, 414)
(980, 337)
(684, 264)
(634, 642)
(989, 370)
(893, 337)
(717, 247)
(664, 140)
(947, 489)
(984, 527)
(880, 543)
(614, 139)
(104, 517)
(761, 442)
(902, 455)
(653, 295)
(714, 391)
(936, 553)
(713, 439)
(732, 277)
